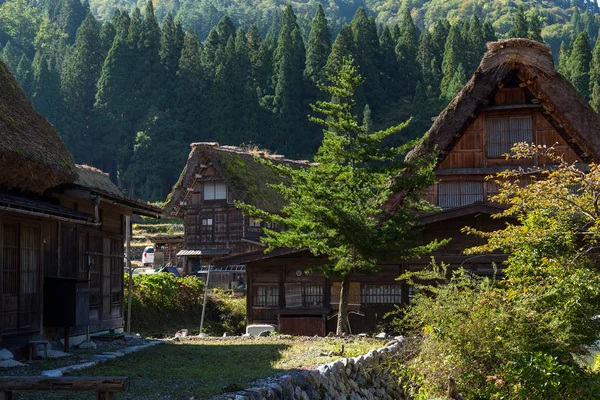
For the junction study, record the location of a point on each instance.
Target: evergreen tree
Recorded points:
(595, 77)
(289, 62)
(439, 36)
(46, 89)
(150, 76)
(159, 137)
(520, 26)
(80, 73)
(318, 47)
(406, 51)
(488, 32)
(563, 60)
(453, 56)
(455, 85)
(535, 29)
(171, 42)
(25, 74)
(476, 42)
(10, 57)
(190, 85)
(390, 78)
(69, 16)
(341, 197)
(579, 64)
(107, 35)
(115, 100)
(366, 53)
(576, 22)
(343, 46)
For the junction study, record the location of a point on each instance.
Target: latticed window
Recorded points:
(503, 133)
(266, 295)
(303, 295)
(312, 295)
(381, 294)
(457, 194)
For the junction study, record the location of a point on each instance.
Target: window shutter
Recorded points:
(209, 190)
(220, 191)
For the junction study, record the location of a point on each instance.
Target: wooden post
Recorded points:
(6, 396)
(128, 255)
(66, 339)
(105, 396)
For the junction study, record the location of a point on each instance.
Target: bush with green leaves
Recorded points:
(522, 336)
(162, 304)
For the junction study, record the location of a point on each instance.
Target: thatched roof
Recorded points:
(247, 178)
(33, 157)
(95, 181)
(532, 62)
(92, 177)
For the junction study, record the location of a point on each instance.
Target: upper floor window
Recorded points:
(457, 194)
(215, 191)
(503, 133)
(254, 222)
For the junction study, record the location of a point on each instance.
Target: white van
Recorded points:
(148, 256)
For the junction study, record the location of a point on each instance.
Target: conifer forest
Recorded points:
(129, 84)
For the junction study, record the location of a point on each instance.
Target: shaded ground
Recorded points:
(197, 369)
(78, 356)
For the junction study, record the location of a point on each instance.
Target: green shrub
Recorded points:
(162, 304)
(497, 342)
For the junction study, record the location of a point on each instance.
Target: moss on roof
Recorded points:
(247, 178)
(33, 157)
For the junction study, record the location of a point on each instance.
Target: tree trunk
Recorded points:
(342, 322)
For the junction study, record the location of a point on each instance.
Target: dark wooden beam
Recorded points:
(64, 384)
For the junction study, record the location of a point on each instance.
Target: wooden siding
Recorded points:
(471, 150)
(34, 247)
(308, 312)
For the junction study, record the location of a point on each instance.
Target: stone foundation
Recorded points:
(359, 378)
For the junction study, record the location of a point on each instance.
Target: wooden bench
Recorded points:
(104, 386)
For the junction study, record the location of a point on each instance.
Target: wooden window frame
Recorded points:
(211, 187)
(374, 294)
(463, 195)
(506, 144)
(269, 299)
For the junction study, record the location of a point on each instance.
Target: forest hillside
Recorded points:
(129, 84)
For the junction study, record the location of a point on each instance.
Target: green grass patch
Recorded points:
(205, 367)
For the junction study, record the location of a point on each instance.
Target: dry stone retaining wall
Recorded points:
(359, 378)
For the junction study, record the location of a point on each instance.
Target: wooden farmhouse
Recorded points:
(62, 229)
(204, 196)
(514, 96)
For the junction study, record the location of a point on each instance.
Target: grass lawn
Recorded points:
(201, 368)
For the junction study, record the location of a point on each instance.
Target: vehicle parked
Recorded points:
(148, 255)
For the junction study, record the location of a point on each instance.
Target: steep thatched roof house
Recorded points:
(213, 178)
(515, 95)
(62, 226)
(33, 158)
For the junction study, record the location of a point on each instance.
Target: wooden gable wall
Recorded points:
(469, 160)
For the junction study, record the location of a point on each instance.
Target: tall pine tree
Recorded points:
(579, 64)
(318, 47)
(407, 50)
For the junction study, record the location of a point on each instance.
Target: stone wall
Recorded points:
(360, 378)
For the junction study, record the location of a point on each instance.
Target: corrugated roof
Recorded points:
(203, 252)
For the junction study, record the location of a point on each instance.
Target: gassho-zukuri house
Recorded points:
(213, 178)
(62, 229)
(515, 95)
